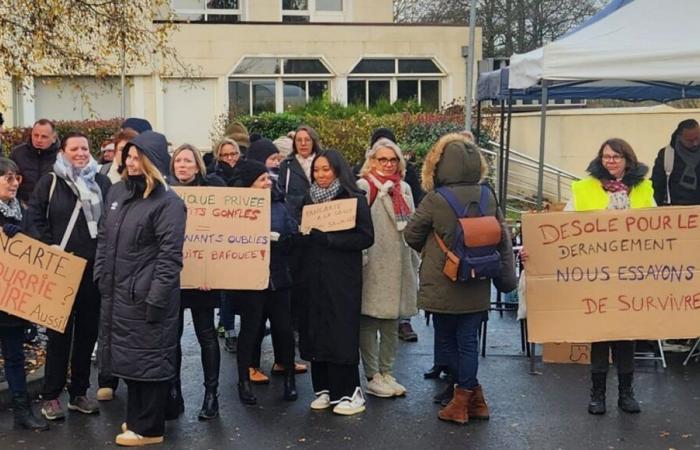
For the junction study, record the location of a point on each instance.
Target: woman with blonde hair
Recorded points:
(137, 269)
(390, 274)
(227, 153)
(187, 169)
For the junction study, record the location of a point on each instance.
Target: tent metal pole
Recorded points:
(478, 121)
(507, 156)
(543, 125)
(499, 172)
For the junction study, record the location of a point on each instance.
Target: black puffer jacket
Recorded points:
(679, 194)
(8, 320)
(194, 298)
(293, 182)
(33, 164)
(138, 264)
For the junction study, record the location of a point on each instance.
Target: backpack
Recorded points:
(474, 253)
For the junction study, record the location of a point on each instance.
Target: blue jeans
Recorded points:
(12, 346)
(228, 313)
(457, 335)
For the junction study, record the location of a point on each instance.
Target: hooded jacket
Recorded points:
(456, 163)
(137, 269)
(33, 164)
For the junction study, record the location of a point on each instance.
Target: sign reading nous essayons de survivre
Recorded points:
(613, 275)
(38, 282)
(227, 238)
(336, 215)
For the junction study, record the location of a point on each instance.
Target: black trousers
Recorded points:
(255, 306)
(145, 407)
(623, 356)
(340, 380)
(81, 335)
(203, 321)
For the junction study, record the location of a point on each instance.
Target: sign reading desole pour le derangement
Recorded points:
(613, 275)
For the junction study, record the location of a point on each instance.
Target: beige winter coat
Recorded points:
(389, 283)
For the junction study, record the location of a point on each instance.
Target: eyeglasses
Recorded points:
(385, 161)
(229, 155)
(613, 158)
(11, 178)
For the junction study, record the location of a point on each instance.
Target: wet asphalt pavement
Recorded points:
(546, 411)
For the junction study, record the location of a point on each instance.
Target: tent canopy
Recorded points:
(643, 40)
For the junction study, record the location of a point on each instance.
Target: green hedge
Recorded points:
(96, 131)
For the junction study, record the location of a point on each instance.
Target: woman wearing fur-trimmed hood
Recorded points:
(458, 307)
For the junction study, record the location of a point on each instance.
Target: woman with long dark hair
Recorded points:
(329, 325)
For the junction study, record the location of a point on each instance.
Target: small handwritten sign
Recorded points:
(38, 282)
(613, 275)
(336, 215)
(227, 238)
(566, 353)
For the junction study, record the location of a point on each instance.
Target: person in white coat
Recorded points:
(390, 271)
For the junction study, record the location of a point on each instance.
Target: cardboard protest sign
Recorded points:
(336, 215)
(613, 275)
(227, 238)
(566, 353)
(38, 282)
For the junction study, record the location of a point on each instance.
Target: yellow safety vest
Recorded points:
(589, 195)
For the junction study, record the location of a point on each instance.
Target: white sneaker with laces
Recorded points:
(349, 406)
(323, 401)
(378, 387)
(390, 381)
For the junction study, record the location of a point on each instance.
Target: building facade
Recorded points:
(267, 55)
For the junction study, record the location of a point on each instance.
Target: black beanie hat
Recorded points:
(382, 133)
(260, 150)
(137, 124)
(246, 172)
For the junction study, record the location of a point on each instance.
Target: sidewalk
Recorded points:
(545, 411)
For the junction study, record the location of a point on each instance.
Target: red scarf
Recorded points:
(615, 186)
(401, 208)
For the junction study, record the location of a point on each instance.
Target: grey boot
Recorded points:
(597, 403)
(24, 416)
(626, 400)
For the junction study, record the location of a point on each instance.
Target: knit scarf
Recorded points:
(11, 209)
(691, 158)
(615, 186)
(82, 183)
(322, 195)
(390, 184)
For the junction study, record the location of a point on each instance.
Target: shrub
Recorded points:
(96, 131)
(271, 125)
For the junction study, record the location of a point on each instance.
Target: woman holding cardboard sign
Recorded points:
(188, 169)
(12, 327)
(453, 171)
(64, 210)
(274, 302)
(616, 181)
(137, 268)
(389, 283)
(329, 325)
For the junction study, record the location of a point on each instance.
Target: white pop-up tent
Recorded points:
(646, 40)
(650, 41)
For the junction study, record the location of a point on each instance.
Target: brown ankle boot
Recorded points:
(478, 409)
(456, 410)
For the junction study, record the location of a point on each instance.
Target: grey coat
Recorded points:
(390, 269)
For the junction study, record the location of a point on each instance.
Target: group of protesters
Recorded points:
(349, 294)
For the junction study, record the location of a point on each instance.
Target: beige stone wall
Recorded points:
(372, 10)
(264, 10)
(574, 136)
(358, 11)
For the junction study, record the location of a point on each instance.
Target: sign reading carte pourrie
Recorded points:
(227, 238)
(336, 215)
(38, 282)
(613, 275)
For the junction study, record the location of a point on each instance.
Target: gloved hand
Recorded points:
(11, 229)
(154, 314)
(318, 237)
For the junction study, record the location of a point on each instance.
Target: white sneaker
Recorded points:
(378, 387)
(349, 406)
(323, 401)
(390, 381)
